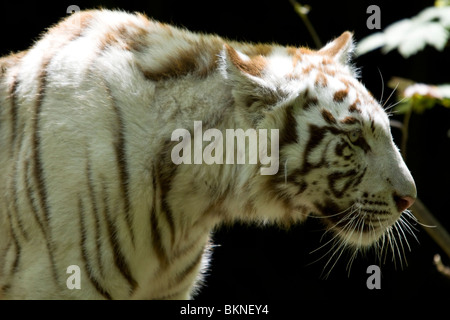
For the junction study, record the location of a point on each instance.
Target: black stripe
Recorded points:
(85, 255)
(165, 207)
(38, 167)
(156, 240)
(13, 105)
(17, 140)
(4, 289)
(358, 179)
(31, 198)
(166, 171)
(288, 133)
(119, 259)
(123, 173)
(94, 206)
(15, 203)
(188, 247)
(335, 177)
(308, 101)
(340, 147)
(328, 116)
(122, 164)
(15, 265)
(362, 143)
(155, 232)
(3, 257)
(331, 210)
(303, 185)
(190, 268)
(40, 221)
(316, 135)
(376, 212)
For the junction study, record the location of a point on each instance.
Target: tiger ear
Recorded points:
(340, 48)
(246, 76)
(238, 61)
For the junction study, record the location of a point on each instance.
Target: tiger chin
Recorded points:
(87, 177)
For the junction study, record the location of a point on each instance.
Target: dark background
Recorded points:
(251, 263)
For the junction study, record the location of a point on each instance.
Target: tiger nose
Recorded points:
(403, 202)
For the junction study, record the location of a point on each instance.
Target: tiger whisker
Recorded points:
(382, 248)
(341, 249)
(389, 97)
(334, 238)
(400, 246)
(353, 256)
(392, 105)
(343, 244)
(413, 217)
(408, 227)
(361, 223)
(382, 85)
(362, 219)
(397, 246)
(400, 223)
(343, 219)
(331, 215)
(391, 245)
(350, 262)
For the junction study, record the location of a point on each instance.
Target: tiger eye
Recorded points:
(354, 135)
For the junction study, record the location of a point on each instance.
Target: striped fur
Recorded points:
(86, 177)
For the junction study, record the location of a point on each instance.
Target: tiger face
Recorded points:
(337, 157)
(345, 160)
(344, 166)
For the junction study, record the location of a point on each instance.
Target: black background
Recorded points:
(269, 263)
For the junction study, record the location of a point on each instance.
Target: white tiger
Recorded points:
(86, 174)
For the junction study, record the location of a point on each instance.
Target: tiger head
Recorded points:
(337, 158)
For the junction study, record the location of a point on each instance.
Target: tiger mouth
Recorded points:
(358, 229)
(360, 225)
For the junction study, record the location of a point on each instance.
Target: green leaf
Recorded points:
(410, 36)
(372, 42)
(431, 33)
(419, 97)
(404, 107)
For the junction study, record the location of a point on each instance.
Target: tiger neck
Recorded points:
(230, 190)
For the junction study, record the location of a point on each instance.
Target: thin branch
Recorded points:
(405, 129)
(438, 232)
(302, 11)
